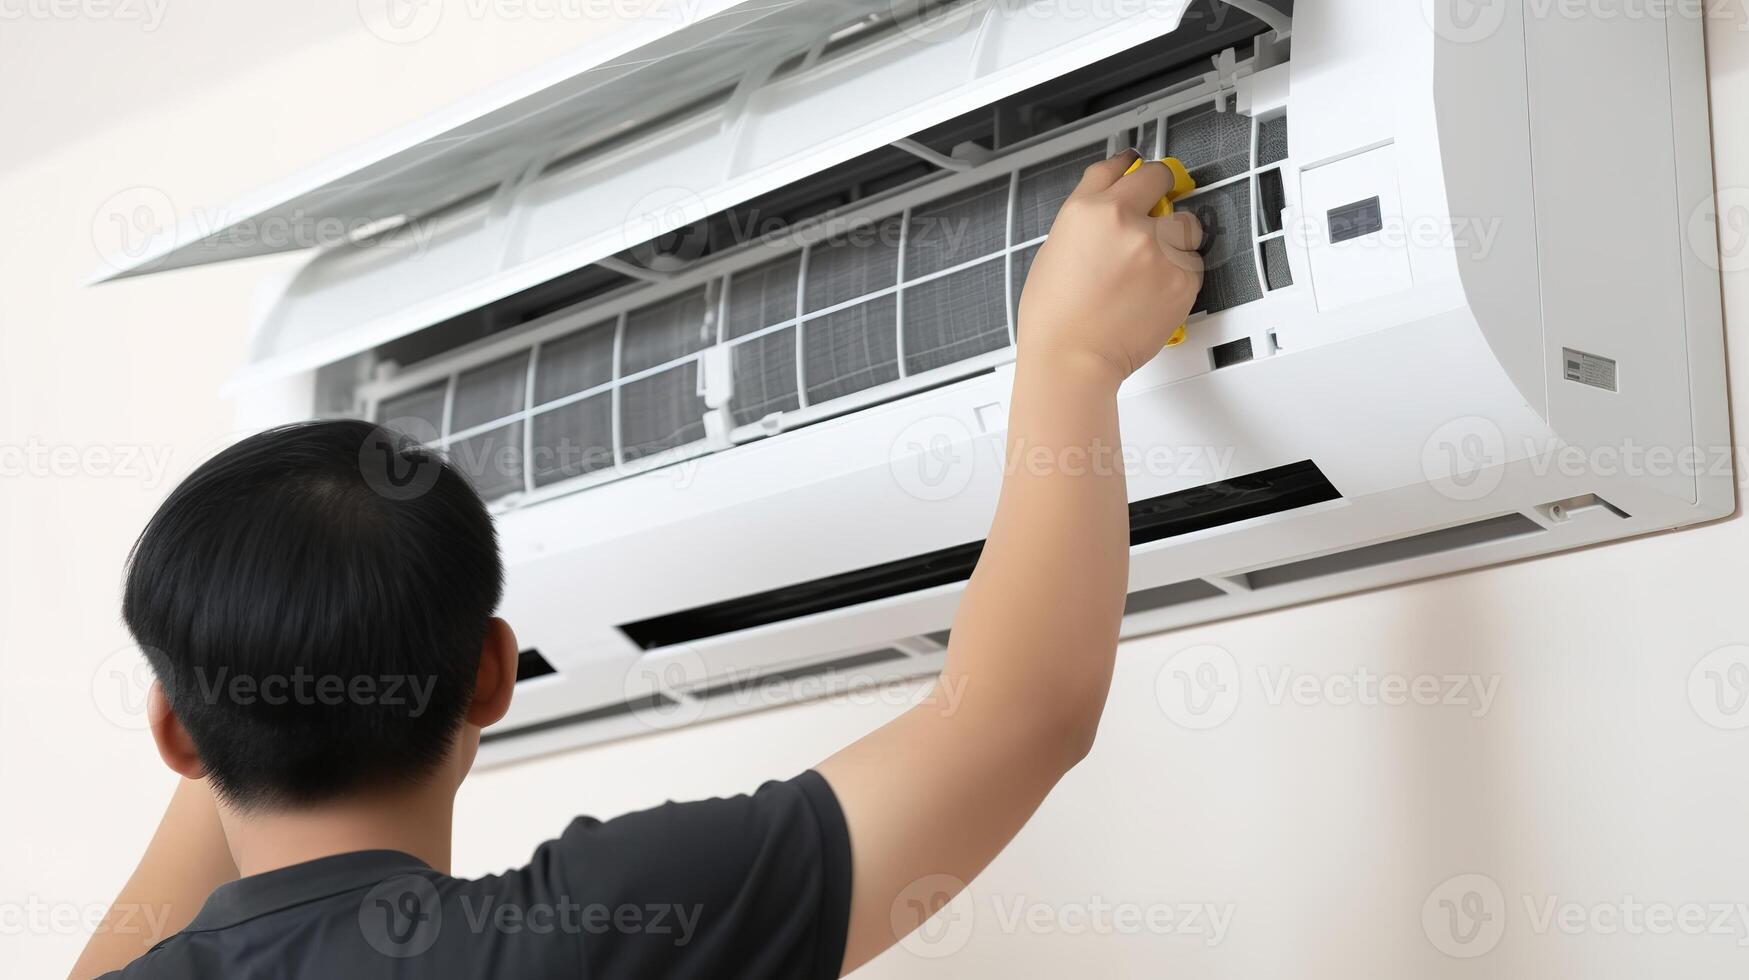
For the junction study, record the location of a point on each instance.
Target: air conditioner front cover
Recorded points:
(554, 172)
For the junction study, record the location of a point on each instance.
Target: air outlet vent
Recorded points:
(1160, 597)
(1417, 546)
(1199, 508)
(823, 669)
(653, 702)
(530, 664)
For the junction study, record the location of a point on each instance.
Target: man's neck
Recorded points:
(415, 820)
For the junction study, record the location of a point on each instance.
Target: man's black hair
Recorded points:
(314, 600)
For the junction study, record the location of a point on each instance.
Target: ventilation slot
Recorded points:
(1148, 600)
(530, 664)
(653, 702)
(1230, 353)
(1199, 508)
(823, 669)
(1402, 549)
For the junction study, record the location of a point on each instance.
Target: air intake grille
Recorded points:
(930, 291)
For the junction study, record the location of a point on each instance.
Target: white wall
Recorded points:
(1316, 830)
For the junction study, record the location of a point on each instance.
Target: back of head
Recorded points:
(313, 601)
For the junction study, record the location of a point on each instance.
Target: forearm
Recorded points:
(1036, 633)
(185, 861)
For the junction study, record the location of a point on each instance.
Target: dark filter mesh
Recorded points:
(661, 411)
(1230, 274)
(1213, 145)
(574, 362)
(850, 350)
(853, 263)
(762, 296)
(425, 404)
(489, 392)
(765, 377)
(661, 332)
(955, 317)
(957, 229)
(1044, 187)
(491, 461)
(573, 439)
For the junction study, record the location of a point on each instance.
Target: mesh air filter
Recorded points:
(1044, 188)
(573, 440)
(762, 296)
(1271, 141)
(1275, 267)
(1230, 274)
(491, 461)
(957, 229)
(425, 404)
(661, 411)
(955, 317)
(856, 262)
(1213, 145)
(489, 392)
(661, 332)
(850, 350)
(574, 362)
(1270, 200)
(765, 377)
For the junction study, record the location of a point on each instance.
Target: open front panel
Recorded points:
(915, 290)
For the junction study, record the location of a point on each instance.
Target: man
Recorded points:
(310, 836)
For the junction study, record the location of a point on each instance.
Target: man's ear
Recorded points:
(496, 678)
(175, 745)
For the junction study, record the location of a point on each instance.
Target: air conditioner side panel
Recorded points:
(1612, 253)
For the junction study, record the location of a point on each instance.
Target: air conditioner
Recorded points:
(726, 307)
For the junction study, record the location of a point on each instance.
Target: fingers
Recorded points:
(1105, 173)
(1180, 230)
(1144, 188)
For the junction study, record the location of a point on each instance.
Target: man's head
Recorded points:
(316, 602)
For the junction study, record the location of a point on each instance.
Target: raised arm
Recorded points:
(938, 792)
(185, 861)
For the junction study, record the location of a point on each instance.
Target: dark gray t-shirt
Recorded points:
(751, 886)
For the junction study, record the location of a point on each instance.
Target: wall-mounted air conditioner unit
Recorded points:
(722, 318)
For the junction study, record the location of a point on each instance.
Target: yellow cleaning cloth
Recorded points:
(1182, 184)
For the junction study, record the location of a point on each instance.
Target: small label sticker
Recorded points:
(1588, 369)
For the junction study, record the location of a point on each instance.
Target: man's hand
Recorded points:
(1111, 281)
(933, 796)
